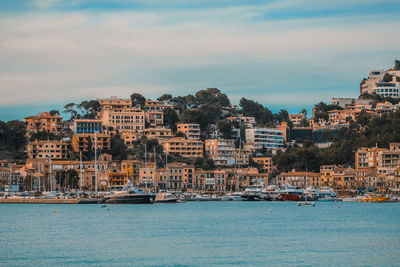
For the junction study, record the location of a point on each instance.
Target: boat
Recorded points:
(374, 199)
(207, 197)
(166, 197)
(326, 194)
(291, 193)
(272, 192)
(351, 199)
(131, 195)
(252, 193)
(235, 196)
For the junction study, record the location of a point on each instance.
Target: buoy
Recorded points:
(54, 211)
(270, 211)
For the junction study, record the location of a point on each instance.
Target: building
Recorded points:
(376, 166)
(241, 157)
(41, 149)
(154, 118)
(387, 89)
(118, 179)
(130, 139)
(191, 130)
(367, 85)
(344, 102)
(153, 105)
(297, 119)
(301, 179)
(221, 151)
(265, 137)
(86, 142)
(114, 103)
(158, 133)
(247, 122)
(131, 167)
(44, 122)
(265, 163)
(80, 126)
(123, 119)
(184, 147)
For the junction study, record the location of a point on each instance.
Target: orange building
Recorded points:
(118, 179)
(81, 142)
(191, 130)
(43, 122)
(183, 147)
(265, 163)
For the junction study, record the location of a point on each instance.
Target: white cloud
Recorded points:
(55, 56)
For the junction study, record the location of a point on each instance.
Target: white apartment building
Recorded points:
(265, 137)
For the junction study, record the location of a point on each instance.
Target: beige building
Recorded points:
(221, 151)
(114, 103)
(47, 149)
(183, 147)
(123, 119)
(43, 122)
(191, 130)
(158, 133)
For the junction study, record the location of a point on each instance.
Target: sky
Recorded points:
(284, 54)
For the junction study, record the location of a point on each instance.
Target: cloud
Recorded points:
(57, 55)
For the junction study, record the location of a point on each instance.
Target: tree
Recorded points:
(54, 112)
(225, 127)
(251, 108)
(164, 97)
(195, 115)
(170, 117)
(397, 64)
(304, 111)
(12, 139)
(44, 136)
(363, 118)
(70, 109)
(118, 148)
(137, 99)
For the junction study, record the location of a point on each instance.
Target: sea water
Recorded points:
(200, 234)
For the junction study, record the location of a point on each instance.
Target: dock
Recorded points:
(37, 201)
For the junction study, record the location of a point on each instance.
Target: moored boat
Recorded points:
(131, 195)
(291, 193)
(166, 197)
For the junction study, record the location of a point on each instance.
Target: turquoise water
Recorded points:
(201, 234)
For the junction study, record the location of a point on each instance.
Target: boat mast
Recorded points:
(50, 178)
(154, 173)
(39, 176)
(80, 166)
(166, 171)
(238, 176)
(95, 160)
(145, 164)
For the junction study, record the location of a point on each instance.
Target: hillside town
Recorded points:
(201, 143)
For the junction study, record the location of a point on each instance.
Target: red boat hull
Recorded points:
(290, 197)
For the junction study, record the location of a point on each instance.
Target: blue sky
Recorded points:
(284, 54)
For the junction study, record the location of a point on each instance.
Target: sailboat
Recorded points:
(305, 203)
(164, 196)
(131, 194)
